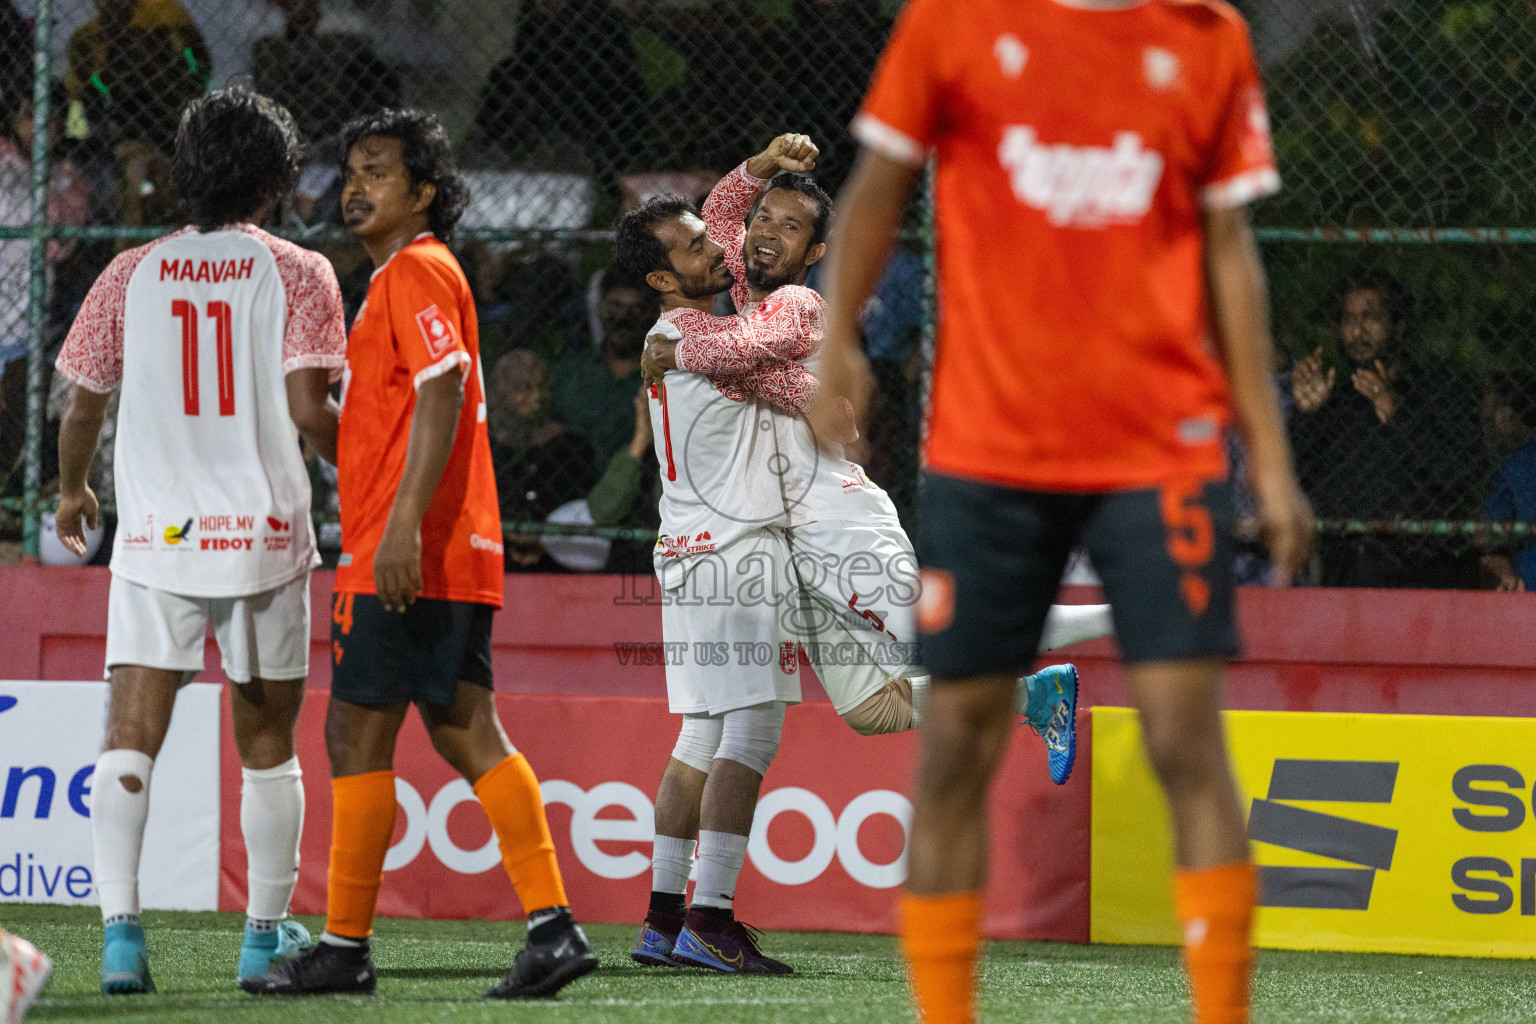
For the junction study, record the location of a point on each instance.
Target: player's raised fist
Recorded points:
(788, 152)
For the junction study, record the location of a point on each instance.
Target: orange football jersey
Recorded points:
(1076, 149)
(418, 322)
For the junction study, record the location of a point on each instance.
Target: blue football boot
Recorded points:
(657, 937)
(125, 961)
(1052, 713)
(262, 951)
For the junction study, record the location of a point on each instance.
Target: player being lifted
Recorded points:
(1102, 316)
(844, 514)
(421, 574)
(224, 340)
(771, 219)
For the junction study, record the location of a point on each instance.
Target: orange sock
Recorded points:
(940, 939)
(509, 793)
(362, 819)
(1216, 907)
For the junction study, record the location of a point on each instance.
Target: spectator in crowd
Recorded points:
(594, 387)
(67, 200)
(1509, 423)
(628, 492)
(320, 76)
(147, 57)
(1378, 437)
(569, 96)
(540, 463)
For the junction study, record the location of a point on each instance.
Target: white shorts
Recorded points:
(263, 636)
(860, 590)
(724, 625)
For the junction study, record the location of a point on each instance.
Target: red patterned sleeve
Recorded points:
(725, 218)
(787, 325)
(92, 356)
(787, 385)
(316, 335)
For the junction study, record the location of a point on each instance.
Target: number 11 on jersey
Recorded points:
(222, 317)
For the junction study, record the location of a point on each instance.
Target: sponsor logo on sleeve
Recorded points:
(480, 543)
(436, 331)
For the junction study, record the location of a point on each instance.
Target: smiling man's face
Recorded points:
(779, 248)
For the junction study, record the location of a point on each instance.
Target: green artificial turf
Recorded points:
(436, 970)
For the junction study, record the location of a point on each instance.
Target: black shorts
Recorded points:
(992, 559)
(421, 654)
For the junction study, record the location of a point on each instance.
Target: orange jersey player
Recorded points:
(1102, 317)
(421, 571)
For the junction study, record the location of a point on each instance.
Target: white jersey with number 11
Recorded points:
(201, 329)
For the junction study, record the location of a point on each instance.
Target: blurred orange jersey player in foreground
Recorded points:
(1102, 320)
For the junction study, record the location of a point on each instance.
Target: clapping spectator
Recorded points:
(594, 387)
(1377, 437)
(540, 463)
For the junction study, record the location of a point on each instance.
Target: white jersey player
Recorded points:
(850, 556)
(224, 340)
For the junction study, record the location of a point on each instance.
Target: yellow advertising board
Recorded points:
(1379, 833)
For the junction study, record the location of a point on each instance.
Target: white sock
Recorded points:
(117, 830)
(671, 861)
(919, 697)
(272, 821)
(1068, 624)
(720, 858)
(342, 941)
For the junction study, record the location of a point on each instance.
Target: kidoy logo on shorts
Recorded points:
(176, 534)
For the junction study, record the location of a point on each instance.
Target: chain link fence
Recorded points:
(1400, 253)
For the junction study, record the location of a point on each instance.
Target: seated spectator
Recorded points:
(67, 200)
(1378, 437)
(147, 57)
(569, 96)
(594, 387)
(540, 463)
(1509, 421)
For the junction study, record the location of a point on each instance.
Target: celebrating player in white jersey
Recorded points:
(747, 494)
(224, 340)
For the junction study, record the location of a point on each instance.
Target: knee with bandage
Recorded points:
(750, 736)
(698, 740)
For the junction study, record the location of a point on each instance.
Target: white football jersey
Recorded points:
(715, 455)
(732, 464)
(213, 497)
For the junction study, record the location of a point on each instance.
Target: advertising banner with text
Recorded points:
(1378, 833)
(50, 736)
(828, 849)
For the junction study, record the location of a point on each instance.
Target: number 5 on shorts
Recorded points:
(1191, 539)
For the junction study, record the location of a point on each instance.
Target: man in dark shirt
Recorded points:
(1378, 437)
(594, 388)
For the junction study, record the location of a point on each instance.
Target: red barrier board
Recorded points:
(830, 858)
